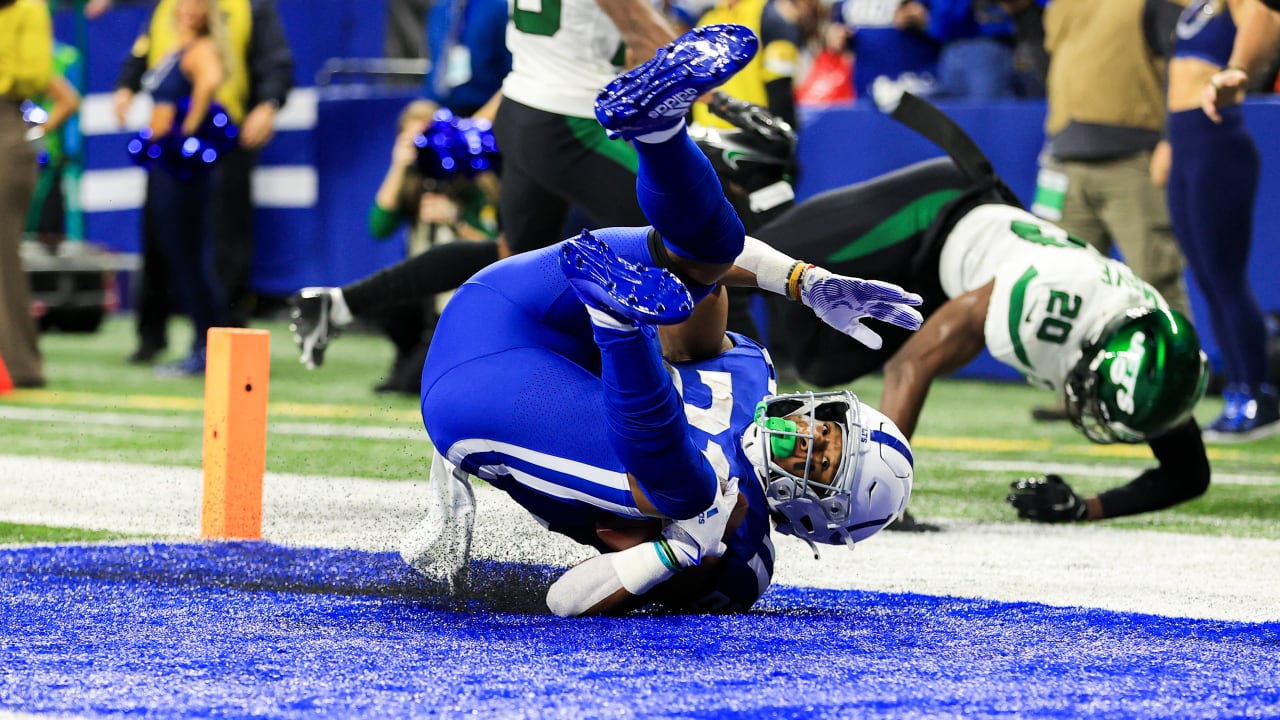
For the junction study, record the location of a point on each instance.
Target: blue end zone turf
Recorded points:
(252, 629)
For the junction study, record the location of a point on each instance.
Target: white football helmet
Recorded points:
(872, 483)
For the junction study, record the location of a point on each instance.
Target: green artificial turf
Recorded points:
(973, 439)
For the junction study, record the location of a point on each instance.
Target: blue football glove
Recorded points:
(842, 302)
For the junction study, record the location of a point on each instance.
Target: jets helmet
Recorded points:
(871, 485)
(1140, 378)
(755, 163)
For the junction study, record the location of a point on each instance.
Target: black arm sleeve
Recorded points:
(270, 57)
(1183, 475)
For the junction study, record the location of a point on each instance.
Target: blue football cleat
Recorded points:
(643, 295)
(658, 93)
(1250, 414)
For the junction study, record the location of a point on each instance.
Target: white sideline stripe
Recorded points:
(274, 186)
(107, 190)
(1101, 471)
(1220, 578)
(171, 422)
(98, 112)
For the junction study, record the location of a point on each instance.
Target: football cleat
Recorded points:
(1250, 414)
(311, 324)
(658, 93)
(604, 281)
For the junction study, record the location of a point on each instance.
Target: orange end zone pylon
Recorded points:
(236, 380)
(6, 382)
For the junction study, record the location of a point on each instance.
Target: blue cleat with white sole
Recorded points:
(657, 94)
(624, 290)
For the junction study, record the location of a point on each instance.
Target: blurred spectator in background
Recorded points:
(1256, 43)
(46, 218)
(469, 57)
(888, 41)
(976, 59)
(183, 85)
(555, 154)
(439, 207)
(26, 64)
(1213, 181)
(406, 35)
(259, 77)
(1105, 119)
(769, 79)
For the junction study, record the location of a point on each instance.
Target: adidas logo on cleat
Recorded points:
(675, 105)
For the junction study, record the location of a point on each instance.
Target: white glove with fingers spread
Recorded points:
(842, 302)
(689, 541)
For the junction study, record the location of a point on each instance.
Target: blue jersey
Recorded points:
(720, 397)
(511, 393)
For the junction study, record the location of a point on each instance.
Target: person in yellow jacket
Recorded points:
(769, 79)
(26, 65)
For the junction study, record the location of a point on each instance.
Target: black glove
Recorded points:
(1046, 499)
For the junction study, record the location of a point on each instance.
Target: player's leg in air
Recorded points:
(518, 403)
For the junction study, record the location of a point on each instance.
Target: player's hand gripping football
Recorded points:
(1047, 499)
(842, 302)
(702, 536)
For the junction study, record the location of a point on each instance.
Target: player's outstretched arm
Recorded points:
(643, 28)
(1183, 474)
(948, 340)
(840, 301)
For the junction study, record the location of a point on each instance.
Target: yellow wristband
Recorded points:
(793, 281)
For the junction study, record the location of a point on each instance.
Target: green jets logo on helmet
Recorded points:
(1141, 378)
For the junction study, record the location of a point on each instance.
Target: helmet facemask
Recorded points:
(803, 504)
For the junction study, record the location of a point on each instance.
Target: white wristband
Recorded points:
(771, 268)
(641, 568)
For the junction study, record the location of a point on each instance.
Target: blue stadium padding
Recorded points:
(355, 130)
(258, 630)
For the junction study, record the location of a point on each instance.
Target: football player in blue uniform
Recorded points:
(595, 383)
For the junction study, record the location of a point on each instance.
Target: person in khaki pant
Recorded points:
(1105, 120)
(26, 64)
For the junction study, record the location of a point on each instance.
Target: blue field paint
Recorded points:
(256, 630)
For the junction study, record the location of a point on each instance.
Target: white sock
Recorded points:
(339, 314)
(607, 319)
(660, 136)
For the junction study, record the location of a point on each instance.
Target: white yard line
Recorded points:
(1161, 573)
(1111, 470)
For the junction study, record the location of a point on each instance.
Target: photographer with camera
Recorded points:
(441, 186)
